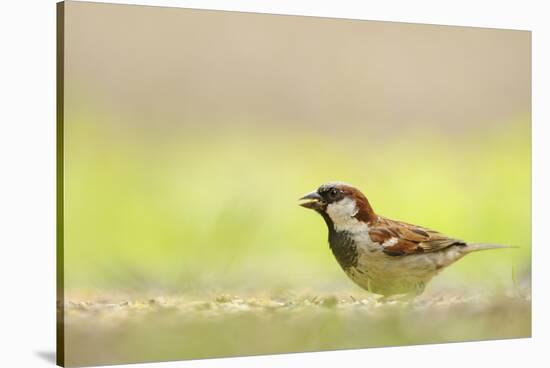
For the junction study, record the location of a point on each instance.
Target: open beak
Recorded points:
(314, 201)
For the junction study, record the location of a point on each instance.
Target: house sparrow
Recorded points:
(383, 256)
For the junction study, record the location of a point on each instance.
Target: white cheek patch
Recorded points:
(342, 210)
(342, 215)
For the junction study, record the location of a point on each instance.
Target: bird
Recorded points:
(387, 257)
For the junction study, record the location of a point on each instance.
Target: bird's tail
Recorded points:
(474, 247)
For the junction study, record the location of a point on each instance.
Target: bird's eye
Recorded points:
(333, 193)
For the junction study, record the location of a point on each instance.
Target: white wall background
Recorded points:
(27, 181)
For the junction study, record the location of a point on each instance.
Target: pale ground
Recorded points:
(117, 328)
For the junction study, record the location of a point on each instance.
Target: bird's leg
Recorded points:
(419, 288)
(406, 297)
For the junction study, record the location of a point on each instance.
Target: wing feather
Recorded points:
(400, 238)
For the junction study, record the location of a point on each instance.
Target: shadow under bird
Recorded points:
(383, 256)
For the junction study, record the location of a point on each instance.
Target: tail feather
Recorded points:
(474, 247)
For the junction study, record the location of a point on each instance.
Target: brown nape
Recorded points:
(366, 213)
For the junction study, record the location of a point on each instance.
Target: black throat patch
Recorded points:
(342, 245)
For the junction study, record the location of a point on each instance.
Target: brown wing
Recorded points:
(399, 238)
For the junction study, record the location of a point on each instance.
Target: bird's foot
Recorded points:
(397, 298)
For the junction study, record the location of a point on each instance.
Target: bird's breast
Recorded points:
(344, 248)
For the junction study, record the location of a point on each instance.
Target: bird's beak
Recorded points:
(314, 201)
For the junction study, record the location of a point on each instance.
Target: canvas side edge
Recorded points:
(60, 264)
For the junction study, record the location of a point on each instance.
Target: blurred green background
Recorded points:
(218, 208)
(189, 136)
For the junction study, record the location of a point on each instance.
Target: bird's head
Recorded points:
(339, 203)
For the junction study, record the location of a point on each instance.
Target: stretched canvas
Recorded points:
(235, 184)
